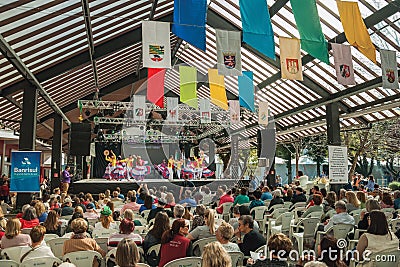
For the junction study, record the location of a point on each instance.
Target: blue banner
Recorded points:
(25, 171)
(190, 21)
(246, 90)
(256, 25)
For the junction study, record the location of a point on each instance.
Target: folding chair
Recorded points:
(281, 224)
(26, 231)
(186, 262)
(102, 242)
(103, 232)
(259, 215)
(48, 237)
(152, 255)
(83, 258)
(308, 225)
(44, 261)
(12, 253)
(340, 231)
(110, 254)
(226, 210)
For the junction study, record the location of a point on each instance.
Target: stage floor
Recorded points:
(100, 185)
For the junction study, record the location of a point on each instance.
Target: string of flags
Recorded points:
(190, 25)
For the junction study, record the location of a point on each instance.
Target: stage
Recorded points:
(100, 185)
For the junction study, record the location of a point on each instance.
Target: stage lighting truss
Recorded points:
(150, 138)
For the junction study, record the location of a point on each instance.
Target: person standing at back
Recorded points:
(66, 179)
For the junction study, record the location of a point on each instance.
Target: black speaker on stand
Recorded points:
(79, 139)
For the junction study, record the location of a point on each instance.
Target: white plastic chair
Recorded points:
(201, 243)
(8, 263)
(153, 260)
(273, 216)
(48, 237)
(276, 206)
(57, 245)
(13, 253)
(287, 204)
(145, 214)
(92, 221)
(26, 231)
(187, 262)
(83, 258)
(109, 254)
(308, 225)
(340, 231)
(142, 265)
(237, 258)
(394, 224)
(259, 215)
(285, 220)
(103, 232)
(226, 210)
(44, 261)
(102, 242)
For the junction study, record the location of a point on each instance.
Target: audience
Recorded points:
(106, 220)
(341, 216)
(127, 254)
(126, 229)
(13, 236)
(52, 224)
(132, 205)
(266, 194)
(29, 218)
(317, 207)
(224, 234)
(277, 199)
(160, 208)
(252, 239)
(174, 244)
(242, 198)
(214, 255)
(226, 198)
(38, 248)
(67, 208)
(153, 237)
(257, 201)
(207, 230)
(198, 219)
(378, 236)
(370, 205)
(352, 201)
(41, 211)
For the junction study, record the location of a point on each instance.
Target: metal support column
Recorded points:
(27, 135)
(333, 125)
(56, 151)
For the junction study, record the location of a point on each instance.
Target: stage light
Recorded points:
(87, 113)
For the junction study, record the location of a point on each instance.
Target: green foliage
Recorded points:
(394, 186)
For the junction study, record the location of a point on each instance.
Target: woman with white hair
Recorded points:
(276, 199)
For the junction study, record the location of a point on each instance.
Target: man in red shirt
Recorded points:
(224, 199)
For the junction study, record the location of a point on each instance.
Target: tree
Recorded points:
(285, 151)
(316, 148)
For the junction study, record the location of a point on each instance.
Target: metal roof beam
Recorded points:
(89, 34)
(16, 61)
(381, 14)
(111, 46)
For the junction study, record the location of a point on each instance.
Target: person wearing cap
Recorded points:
(67, 208)
(160, 207)
(106, 220)
(90, 212)
(277, 199)
(298, 196)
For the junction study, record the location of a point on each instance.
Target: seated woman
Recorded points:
(29, 218)
(153, 237)
(207, 230)
(13, 236)
(387, 201)
(370, 205)
(79, 240)
(224, 234)
(378, 236)
(174, 244)
(242, 198)
(41, 211)
(352, 201)
(198, 219)
(257, 201)
(277, 199)
(126, 228)
(52, 224)
(148, 204)
(127, 254)
(317, 199)
(333, 258)
(279, 246)
(209, 258)
(106, 220)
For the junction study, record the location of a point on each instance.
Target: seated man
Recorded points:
(252, 239)
(341, 216)
(160, 207)
(39, 248)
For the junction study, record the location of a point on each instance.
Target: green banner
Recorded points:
(307, 19)
(188, 85)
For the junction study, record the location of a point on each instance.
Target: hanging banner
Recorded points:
(343, 64)
(139, 107)
(172, 109)
(309, 26)
(246, 90)
(156, 44)
(291, 66)
(390, 75)
(338, 169)
(234, 110)
(155, 86)
(190, 21)
(205, 111)
(25, 171)
(228, 53)
(256, 25)
(188, 85)
(354, 28)
(263, 113)
(217, 89)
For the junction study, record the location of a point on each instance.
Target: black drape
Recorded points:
(100, 163)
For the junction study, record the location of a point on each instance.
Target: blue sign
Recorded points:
(25, 171)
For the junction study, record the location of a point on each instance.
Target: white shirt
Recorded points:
(343, 217)
(39, 252)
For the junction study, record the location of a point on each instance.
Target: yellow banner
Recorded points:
(217, 89)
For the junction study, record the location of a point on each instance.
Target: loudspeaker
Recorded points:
(211, 156)
(80, 135)
(266, 143)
